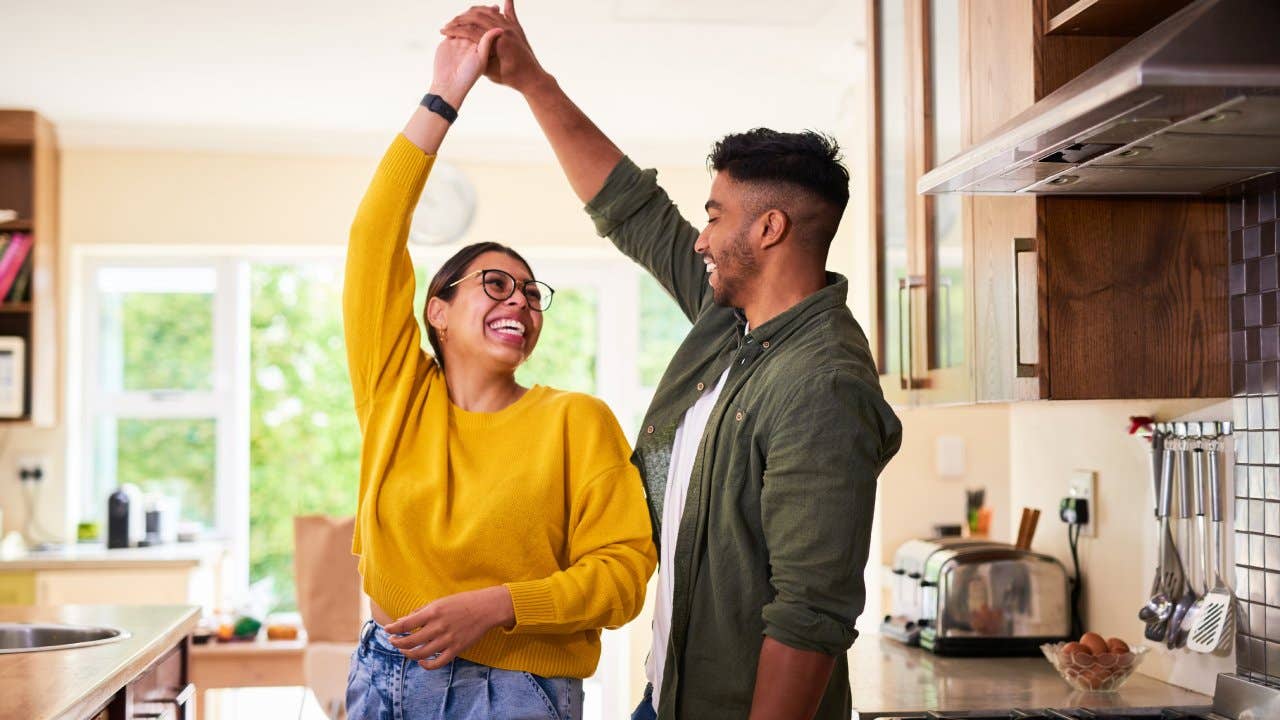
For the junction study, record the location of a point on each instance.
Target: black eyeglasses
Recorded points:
(500, 285)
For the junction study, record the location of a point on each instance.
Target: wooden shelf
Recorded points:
(29, 186)
(1124, 18)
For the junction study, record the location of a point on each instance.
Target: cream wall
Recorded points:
(210, 199)
(914, 497)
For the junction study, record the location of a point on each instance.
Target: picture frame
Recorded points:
(13, 374)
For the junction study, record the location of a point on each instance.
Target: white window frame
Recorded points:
(227, 403)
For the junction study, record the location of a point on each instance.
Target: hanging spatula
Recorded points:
(1217, 615)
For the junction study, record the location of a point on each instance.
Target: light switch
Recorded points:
(950, 456)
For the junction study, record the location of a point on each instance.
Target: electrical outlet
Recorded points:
(31, 468)
(1083, 486)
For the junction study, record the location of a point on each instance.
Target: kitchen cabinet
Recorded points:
(29, 186)
(173, 575)
(1058, 298)
(1088, 297)
(921, 325)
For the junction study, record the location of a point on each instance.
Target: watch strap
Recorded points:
(439, 106)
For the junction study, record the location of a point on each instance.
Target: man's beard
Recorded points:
(733, 268)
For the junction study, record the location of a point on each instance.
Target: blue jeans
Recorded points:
(385, 685)
(645, 711)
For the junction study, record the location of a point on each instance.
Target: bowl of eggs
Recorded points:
(1094, 663)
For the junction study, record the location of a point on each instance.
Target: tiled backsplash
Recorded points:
(1255, 382)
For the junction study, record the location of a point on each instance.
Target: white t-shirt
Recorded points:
(684, 451)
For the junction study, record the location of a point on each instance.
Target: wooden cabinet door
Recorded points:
(940, 111)
(922, 326)
(997, 38)
(18, 588)
(897, 284)
(1089, 297)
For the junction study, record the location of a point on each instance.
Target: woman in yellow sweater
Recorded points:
(499, 527)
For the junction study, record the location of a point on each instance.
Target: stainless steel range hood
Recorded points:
(1188, 108)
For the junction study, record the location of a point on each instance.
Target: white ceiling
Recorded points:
(334, 76)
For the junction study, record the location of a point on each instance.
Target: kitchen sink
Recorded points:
(33, 637)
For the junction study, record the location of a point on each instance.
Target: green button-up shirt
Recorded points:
(777, 521)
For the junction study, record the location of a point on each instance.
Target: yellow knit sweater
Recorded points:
(539, 496)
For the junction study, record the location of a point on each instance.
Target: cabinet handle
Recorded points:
(906, 360)
(1032, 369)
(184, 695)
(178, 706)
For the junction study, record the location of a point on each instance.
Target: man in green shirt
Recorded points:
(761, 448)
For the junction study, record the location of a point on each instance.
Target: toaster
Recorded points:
(903, 622)
(982, 598)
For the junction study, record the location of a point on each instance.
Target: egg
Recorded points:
(1071, 648)
(1117, 646)
(1096, 644)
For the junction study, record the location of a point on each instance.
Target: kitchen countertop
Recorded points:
(889, 678)
(98, 556)
(73, 683)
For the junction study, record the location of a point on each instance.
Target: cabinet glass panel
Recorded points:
(891, 92)
(947, 346)
(156, 328)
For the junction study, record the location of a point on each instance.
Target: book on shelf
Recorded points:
(11, 261)
(7, 215)
(21, 291)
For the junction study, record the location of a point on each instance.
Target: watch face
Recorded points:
(446, 208)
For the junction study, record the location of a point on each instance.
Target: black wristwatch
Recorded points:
(437, 105)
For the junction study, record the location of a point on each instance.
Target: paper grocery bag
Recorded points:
(329, 597)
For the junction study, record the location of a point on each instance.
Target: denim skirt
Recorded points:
(385, 685)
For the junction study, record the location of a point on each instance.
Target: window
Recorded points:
(159, 405)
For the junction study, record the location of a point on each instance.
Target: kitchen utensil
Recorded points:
(1217, 616)
(1027, 528)
(1146, 613)
(1188, 596)
(1197, 549)
(1169, 568)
